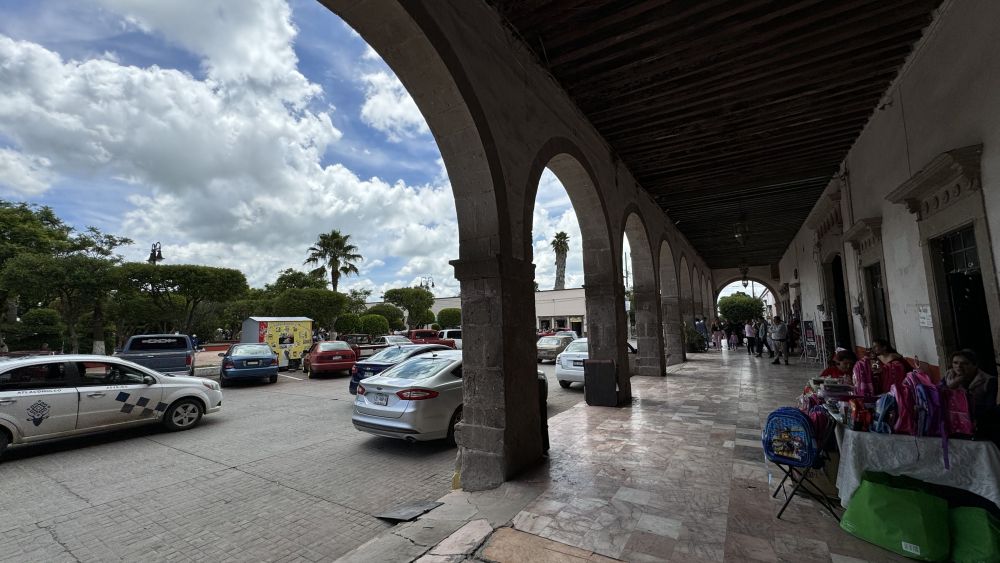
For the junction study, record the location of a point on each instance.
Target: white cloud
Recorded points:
(552, 214)
(24, 175)
(389, 108)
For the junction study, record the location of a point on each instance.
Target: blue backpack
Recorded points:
(788, 438)
(886, 412)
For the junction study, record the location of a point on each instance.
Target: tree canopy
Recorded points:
(334, 251)
(321, 305)
(414, 300)
(391, 313)
(375, 325)
(450, 317)
(741, 307)
(294, 279)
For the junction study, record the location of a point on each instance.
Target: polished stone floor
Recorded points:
(680, 476)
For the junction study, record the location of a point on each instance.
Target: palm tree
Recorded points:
(560, 244)
(334, 251)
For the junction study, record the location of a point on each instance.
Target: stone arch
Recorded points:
(709, 298)
(649, 334)
(686, 293)
(605, 321)
(728, 280)
(697, 291)
(499, 435)
(670, 306)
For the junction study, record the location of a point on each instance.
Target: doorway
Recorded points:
(966, 322)
(878, 323)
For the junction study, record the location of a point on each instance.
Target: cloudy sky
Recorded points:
(233, 133)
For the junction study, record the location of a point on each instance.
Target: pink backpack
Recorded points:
(958, 419)
(892, 373)
(905, 393)
(863, 379)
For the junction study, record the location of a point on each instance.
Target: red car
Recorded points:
(329, 356)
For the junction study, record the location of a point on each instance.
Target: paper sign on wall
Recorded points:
(924, 315)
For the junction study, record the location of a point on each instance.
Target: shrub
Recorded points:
(450, 318)
(347, 324)
(375, 325)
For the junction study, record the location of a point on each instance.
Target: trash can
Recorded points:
(600, 385)
(543, 395)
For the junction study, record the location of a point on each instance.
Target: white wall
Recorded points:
(947, 97)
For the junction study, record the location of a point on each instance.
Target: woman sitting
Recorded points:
(965, 374)
(889, 367)
(843, 366)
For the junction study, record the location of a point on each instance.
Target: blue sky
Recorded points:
(232, 133)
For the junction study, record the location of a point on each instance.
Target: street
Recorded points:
(279, 474)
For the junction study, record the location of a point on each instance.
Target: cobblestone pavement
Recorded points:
(280, 474)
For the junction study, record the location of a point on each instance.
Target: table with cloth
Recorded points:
(975, 465)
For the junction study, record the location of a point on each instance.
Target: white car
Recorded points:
(569, 363)
(49, 397)
(452, 334)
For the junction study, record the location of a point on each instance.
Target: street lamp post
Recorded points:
(154, 254)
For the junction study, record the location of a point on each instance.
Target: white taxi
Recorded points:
(49, 397)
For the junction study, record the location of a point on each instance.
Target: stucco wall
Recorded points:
(947, 97)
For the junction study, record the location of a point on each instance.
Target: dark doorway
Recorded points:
(878, 309)
(840, 315)
(967, 324)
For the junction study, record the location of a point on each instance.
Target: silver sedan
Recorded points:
(416, 400)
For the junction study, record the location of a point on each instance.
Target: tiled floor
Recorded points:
(680, 475)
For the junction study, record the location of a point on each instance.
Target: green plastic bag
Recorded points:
(975, 536)
(906, 521)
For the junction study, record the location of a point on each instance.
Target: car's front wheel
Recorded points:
(4, 441)
(183, 415)
(564, 384)
(455, 419)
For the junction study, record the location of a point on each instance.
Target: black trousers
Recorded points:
(761, 344)
(751, 344)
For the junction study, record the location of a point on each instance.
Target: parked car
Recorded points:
(385, 359)
(50, 397)
(418, 399)
(569, 364)
(453, 334)
(428, 336)
(329, 356)
(570, 333)
(551, 346)
(172, 354)
(248, 361)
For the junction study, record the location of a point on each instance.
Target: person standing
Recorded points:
(762, 329)
(779, 335)
(717, 335)
(750, 332)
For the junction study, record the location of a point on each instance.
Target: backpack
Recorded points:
(886, 413)
(820, 419)
(958, 418)
(930, 421)
(861, 417)
(905, 393)
(863, 378)
(892, 373)
(788, 438)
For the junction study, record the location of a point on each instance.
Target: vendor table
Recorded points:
(975, 466)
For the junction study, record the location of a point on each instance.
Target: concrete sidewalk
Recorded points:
(678, 476)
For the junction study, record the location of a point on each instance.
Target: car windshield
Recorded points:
(328, 346)
(159, 343)
(397, 339)
(390, 355)
(550, 341)
(577, 347)
(417, 368)
(251, 350)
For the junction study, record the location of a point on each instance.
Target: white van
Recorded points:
(452, 334)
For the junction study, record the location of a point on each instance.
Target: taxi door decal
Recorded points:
(141, 402)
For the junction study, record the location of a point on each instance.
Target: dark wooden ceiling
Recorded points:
(726, 110)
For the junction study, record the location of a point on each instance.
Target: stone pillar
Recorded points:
(650, 360)
(673, 339)
(607, 330)
(500, 433)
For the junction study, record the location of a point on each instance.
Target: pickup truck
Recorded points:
(428, 336)
(366, 346)
(171, 354)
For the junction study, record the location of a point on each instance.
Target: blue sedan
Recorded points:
(248, 361)
(385, 359)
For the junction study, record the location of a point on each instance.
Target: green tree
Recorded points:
(347, 324)
(450, 317)
(294, 279)
(375, 325)
(421, 318)
(321, 305)
(740, 307)
(413, 300)
(356, 300)
(334, 251)
(560, 244)
(391, 313)
(37, 326)
(75, 284)
(193, 285)
(255, 304)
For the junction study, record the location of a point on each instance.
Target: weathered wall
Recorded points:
(947, 97)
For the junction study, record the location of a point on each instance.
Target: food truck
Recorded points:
(288, 337)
